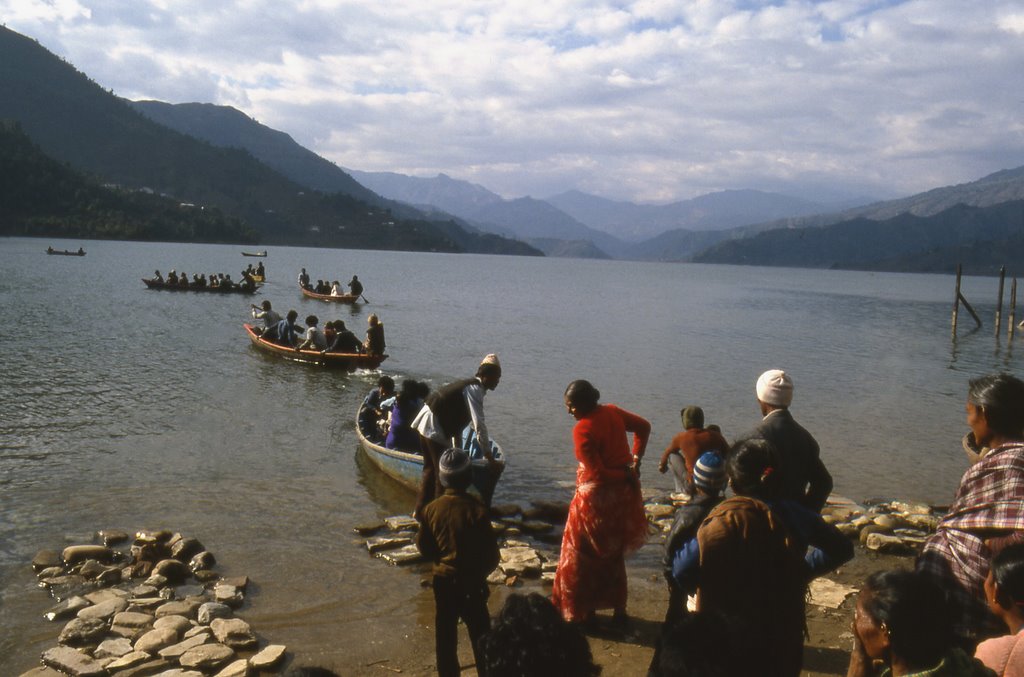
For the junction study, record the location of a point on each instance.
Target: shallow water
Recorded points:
(127, 408)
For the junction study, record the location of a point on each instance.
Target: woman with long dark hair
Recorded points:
(606, 517)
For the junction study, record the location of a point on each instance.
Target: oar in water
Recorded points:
(365, 300)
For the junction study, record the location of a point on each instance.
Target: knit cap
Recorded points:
(775, 387)
(454, 469)
(709, 472)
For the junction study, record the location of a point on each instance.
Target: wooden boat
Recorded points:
(344, 298)
(261, 254)
(154, 284)
(406, 468)
(347, 361)
(64, 252)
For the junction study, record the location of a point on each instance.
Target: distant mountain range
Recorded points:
(73, 120)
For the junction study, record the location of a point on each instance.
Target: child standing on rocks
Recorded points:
(456, 534)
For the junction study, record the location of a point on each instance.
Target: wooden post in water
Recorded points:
(956, 299)
(999, 300)
(1012, 324)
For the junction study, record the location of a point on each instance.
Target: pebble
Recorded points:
(410, 554)
(206, 657)
(211, 610)
(233, 632)
(402, 523)
(82, 631)
(239, 668)
(268, 657)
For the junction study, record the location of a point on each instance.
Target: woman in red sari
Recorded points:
(606, 517)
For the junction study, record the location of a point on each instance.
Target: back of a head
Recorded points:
(1008, 574)
(1001, 396)
(455, 469)
(774, 387)
(915, 612)
(693, 417)
(529, 638)
(751, 467)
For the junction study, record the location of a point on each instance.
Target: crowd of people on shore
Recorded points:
(334, 337)
(327, 288)
(738, 566)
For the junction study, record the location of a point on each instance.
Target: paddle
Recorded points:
(365, 300)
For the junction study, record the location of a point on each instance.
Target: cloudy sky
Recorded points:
(649, 100)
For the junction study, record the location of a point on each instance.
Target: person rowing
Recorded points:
(270, 319)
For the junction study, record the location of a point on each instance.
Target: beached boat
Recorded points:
(155, 284)
(261, 254)
(407, 467)
(347, 361)
(64, 252)
(344, 298)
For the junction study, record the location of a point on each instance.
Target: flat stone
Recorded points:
(100, 596)
(375, 545)
(42, 671)
(152, 536)
(520, 561)
(45, 559)
(156, 639)
(195, 630)
(113, 648)
(50, 572)
(496, 577)
(927, 523)
(180, 608)
(234, 632)
(129, 660)
(180, 672)
(206, 575)
(112, 536)
(62, 586)
(512, 543)
(368, 529)
(143, 591)
(911, 508)
(104, 610)
(156, 580)
(268, 657)
(410, 554)
(81, 631)
(66, 609)
(228, 594)
(239, 668)
(74, 554)
(175, 651)
(147, 605)
(180, 624)
(173, 570)
(885, 543)
(206, 657)
(402, 523)
(186, 591)
(240, 582)
(829, 594)
(73, 662)
(211, 610)
(129, 633)
(144, 668)
(887, 522)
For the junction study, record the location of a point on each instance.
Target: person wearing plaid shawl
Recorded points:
(988, 511)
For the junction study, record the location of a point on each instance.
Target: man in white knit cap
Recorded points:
(803, 477)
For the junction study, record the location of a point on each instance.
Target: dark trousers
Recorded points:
(453, 602)
(430, 486)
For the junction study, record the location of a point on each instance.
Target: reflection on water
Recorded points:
(124, 407)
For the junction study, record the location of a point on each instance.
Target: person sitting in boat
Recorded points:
(247, 282)
(270, 319)
(183, 280)
(313, 339)
(249, 270)
(374, 344)
(404, 408)
(343, 341)
(355, 286)
(226, 284)
(157, 277)
(286, 332)
(371, 413)
(80, 251)
(336, 289)
(49, 250)
(172, 278)
(202, 280)
(260, 271)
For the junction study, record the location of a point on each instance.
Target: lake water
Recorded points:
(122, 407)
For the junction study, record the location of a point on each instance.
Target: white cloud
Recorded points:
(640, 99)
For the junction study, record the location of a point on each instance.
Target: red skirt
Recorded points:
(606, 522)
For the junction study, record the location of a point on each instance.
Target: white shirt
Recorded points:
(427, 425)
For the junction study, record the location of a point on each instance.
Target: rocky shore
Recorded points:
(152, 603)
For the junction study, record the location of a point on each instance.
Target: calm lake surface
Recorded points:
(122, 407)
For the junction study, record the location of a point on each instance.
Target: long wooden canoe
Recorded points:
(406, 467)
(344, 298)
(347, 361)
(154, 284)
(261, 254)
(65, 252)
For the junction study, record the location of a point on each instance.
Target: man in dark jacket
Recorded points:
(456, 535)
(802, 475)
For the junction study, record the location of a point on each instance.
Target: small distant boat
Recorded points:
(347, 361)
(344, 298)
(261, 254)
(64, 252)
(406, 467)
(235, 289)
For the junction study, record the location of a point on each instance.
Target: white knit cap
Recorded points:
(775, 387)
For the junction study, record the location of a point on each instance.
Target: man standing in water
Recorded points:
(802, 476)
(441, 420)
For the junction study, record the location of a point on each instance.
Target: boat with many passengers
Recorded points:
(343, 298)
(235, 289)
(64, 252)
(406, 467)
(347, 361)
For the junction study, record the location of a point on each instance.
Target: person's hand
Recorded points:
(663, 468)
(860, 662)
